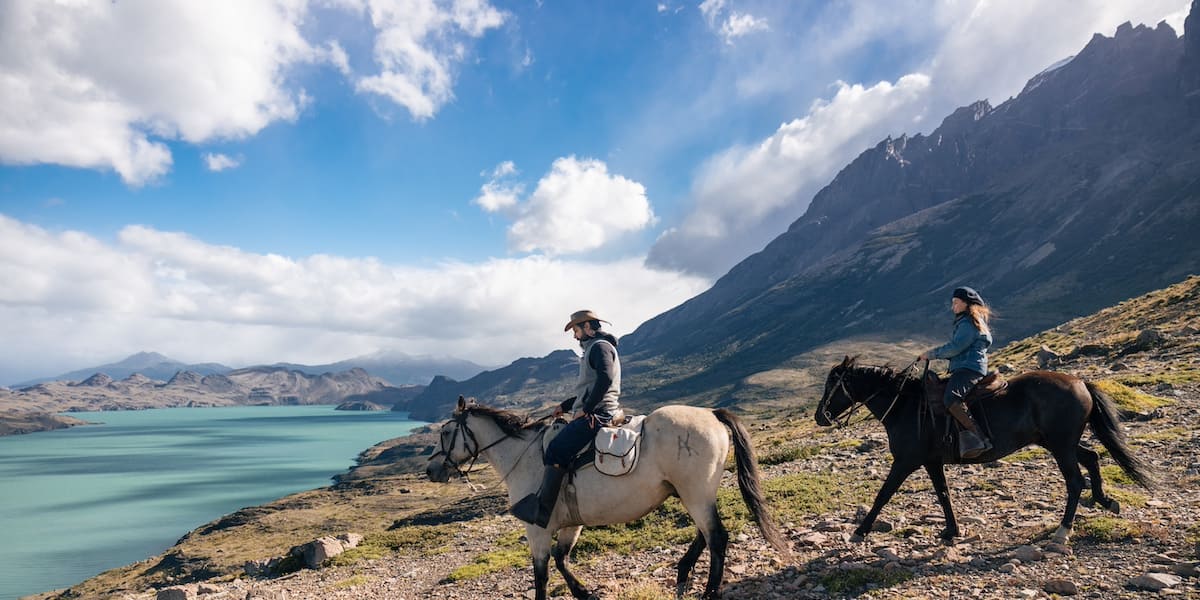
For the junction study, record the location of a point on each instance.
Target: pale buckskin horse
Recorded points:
(683, 453)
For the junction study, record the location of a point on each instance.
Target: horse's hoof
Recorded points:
(858, 538)
(948, 534)
(1114, 506)
(1061, 535)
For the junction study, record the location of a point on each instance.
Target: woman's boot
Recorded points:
(971, 441)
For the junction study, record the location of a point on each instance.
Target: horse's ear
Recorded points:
(846, 360)
(462, 403)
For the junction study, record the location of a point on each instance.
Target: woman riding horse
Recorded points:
(967, 351)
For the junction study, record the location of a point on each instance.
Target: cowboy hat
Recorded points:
(581, 316)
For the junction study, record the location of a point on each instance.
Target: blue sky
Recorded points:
(309, 181)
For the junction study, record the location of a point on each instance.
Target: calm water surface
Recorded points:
(80, 501)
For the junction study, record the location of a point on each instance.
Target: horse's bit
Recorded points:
(854, 404)
(460, 424)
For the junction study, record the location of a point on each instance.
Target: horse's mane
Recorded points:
(884, 372)
(510, 423)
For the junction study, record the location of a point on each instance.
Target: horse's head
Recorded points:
(836, 398)
(456, 446)
(472, 430)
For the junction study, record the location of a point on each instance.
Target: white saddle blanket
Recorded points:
(616, 447)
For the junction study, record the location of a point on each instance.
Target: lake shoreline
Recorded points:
(172, 470)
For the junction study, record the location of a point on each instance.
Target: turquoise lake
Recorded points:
(76, 502)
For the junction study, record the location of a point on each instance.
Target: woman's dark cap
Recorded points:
(969, 295)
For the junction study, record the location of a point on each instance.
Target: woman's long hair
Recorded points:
(979, 315)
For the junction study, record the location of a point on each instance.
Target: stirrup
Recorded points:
(527, 509)
(971, 445)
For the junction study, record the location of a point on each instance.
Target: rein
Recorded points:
(460, 421)
(855, 404)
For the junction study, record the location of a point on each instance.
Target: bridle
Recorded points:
(460, 426)
(855, 404)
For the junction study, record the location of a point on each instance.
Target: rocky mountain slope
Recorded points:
(1052, 203)
(526, 383)
(425, 540)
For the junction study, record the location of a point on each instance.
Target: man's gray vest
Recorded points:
(587, 379)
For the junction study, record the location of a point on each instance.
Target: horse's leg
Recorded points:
(1068, 463)
(704, 513)
(1091, 461)
(937, 474)
(683, 581)
(539, 549)
(562, 551)
(895, 477)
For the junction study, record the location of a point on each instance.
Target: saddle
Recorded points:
(991, 386)
(613, 451)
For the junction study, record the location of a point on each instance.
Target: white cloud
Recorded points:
(576, 207)
(70, 300)
(744, 196)
(417, 45)
(99, 84)
(219, 162)
(104, 85)
(729, 24)
(498, 195)
(742, 189)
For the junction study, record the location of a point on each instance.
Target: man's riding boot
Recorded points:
(971, 441)
(535, 509)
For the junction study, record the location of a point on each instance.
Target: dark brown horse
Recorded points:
(1045, 408)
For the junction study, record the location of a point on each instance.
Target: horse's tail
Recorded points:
(749, 481)
(1107, 428)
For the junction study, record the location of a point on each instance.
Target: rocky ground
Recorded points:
(1007, 509)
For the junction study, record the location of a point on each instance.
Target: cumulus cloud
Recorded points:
(105, 85)
(219, 162)
(746, 195)
(576, 207)
(100, 84)
(742, 189)
(729, 24)
(500, 193)
(417, 45)
(70, 299)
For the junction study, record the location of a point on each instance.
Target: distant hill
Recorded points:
(398, 368)
(254, 386)
(395, 368)
(150, 364)
(1081, 191)
(527, 382)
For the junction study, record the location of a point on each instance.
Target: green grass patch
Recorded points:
(1105, 528)
(354, 581)
(1128, 398)
(645, 590)
(1166, 435)
(510, 553)
(1114, 474)
(849, 581)
(414, 539)
(783, 455)
(800, 495)
(1193, 534)
(1028, 454)
(666, 525)
(1177, 377)
(1127, 498)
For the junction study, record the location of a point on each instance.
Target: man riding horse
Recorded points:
(596, 393)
